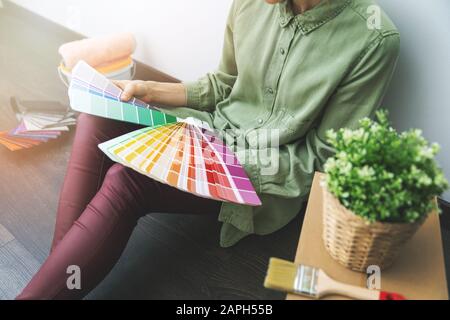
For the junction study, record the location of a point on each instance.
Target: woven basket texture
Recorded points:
(356, 243)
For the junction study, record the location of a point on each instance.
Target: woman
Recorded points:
(295, 68)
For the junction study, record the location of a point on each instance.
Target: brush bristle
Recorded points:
(281, 275)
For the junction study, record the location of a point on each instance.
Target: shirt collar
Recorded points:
(312, 19)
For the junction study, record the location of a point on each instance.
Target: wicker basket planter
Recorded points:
(357, 244)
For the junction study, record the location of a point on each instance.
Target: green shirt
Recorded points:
(300, 75)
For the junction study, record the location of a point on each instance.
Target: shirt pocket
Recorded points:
(289, 127)
(297, 127)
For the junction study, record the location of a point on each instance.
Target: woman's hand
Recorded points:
(139, 89)
(169, 94)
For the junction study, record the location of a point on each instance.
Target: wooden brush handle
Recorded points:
(364, 293)
(353, 291)
(330, 286)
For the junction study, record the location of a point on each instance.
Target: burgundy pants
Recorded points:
(99, 207)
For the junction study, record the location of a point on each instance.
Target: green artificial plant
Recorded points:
(382, 175)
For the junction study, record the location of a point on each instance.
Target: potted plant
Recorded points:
(378, 189)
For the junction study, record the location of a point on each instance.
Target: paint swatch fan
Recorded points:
(181, 153)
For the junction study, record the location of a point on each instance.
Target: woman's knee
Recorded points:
(85, 119)
(120, 180)
(90, 123)
(120, 189)
(88, 127)
(92, 130)
(117, 175)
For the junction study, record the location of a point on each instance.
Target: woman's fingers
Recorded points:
(170, 94)
(130, 89)
(120, 83)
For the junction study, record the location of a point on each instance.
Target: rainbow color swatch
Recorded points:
(171, 150)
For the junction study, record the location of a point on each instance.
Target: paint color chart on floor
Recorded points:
(173, 151)
(36, 128)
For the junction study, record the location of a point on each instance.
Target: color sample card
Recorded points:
(186, 157)
(91, 92)
(181, 153)
(35, 129)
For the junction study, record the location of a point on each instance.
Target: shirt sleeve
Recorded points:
(358, 96)
(205, 93)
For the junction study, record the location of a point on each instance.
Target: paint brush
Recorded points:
(315, 283)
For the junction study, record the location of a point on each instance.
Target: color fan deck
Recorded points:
(36, 128)
(170, 150)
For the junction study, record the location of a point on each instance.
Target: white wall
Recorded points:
(419, 96)
(180, 37)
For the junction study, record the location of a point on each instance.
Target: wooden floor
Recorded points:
(168, 257)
